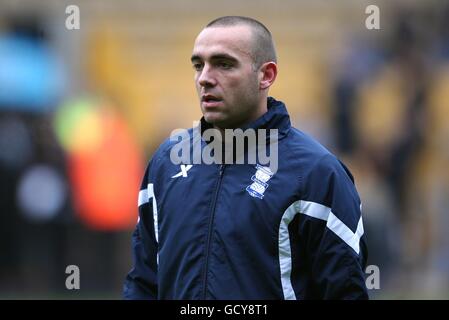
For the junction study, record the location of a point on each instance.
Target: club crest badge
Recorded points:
(260, 182)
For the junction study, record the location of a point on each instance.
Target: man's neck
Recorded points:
(261, 110)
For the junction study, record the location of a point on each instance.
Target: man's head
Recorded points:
(235, 64)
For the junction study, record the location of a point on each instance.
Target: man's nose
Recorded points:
(206, 78)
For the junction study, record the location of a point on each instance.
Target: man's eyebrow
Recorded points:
(195, 57)
(218, 56)
(223, 56)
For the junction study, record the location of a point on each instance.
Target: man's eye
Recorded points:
(197, 66)
(225, 65)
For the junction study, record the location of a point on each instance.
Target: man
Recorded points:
(246, 231)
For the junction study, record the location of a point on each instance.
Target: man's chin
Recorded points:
(213, 118)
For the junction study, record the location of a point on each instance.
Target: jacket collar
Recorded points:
(276, 117)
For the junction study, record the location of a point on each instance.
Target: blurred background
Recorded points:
(82, 111)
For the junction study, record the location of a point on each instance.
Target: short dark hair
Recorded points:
(263, 46)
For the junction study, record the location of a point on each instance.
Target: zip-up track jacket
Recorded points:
(238, 231)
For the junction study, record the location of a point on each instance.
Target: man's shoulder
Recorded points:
(176, 138)
(315, 156)
(307, 147)
(325, 180)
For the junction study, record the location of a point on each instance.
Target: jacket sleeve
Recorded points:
(331, 227)
(141, 281)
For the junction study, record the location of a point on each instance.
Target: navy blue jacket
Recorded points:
(210, 231)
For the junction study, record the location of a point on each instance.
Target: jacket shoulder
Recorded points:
(163, 151)
(308, 150)
(325, 180)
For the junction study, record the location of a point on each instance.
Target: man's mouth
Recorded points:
(209, 100)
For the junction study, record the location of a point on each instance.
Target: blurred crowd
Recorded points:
(81, 113)
(390, 121)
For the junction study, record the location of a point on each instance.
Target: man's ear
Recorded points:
(268, 71)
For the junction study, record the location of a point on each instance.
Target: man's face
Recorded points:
(225, 79)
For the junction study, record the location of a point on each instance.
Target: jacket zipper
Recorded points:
(209, 235)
